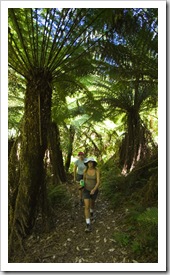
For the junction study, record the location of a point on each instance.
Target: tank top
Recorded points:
(90, 181)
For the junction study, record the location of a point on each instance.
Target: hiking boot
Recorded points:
(88, 228)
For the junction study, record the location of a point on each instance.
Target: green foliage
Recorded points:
(112, 183)
(140, 233)
(138, 189)
(58, 197)
(53, 38)
(150, 216)
(146, 239)
(138, 226)
(16, 89)
(71, 168)
(122, 238)
(130, 89)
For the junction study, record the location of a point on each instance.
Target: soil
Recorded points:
(67, 242)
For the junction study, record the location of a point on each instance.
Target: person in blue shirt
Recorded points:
(79, 167)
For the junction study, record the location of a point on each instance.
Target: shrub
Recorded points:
(146, 239)
(112, 188)
(122, 237)
(58, 196)
(139, 231)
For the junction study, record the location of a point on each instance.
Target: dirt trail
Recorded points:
(67, 241)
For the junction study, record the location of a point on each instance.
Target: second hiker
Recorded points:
(78, 174)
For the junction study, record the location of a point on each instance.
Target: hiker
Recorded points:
(78, 174)
(91, 179)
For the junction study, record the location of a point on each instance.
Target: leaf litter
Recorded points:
(67, 241)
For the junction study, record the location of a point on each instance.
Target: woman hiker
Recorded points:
(78, 173)
(91, 179)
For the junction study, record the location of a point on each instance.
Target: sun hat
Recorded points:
(80, 153)
(90, 159)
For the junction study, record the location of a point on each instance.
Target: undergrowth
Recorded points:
(58, 200)
(141, 235)
(135, 195)
(58, 197)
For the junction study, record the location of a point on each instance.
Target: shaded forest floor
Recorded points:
(65, 241)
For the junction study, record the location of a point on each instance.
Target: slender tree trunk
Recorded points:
(70, 147)
(10, 145)
(56, 154)
(34, 142)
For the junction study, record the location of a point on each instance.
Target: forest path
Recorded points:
(67, 242)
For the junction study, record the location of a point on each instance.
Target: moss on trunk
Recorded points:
(13, 177)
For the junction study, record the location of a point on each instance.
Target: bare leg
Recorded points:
(87, 214)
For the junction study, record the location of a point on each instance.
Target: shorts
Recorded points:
(86, 194)
(79, 177)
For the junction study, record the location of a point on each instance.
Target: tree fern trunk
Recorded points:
(13, 178)
(33, 146)
(135, 144)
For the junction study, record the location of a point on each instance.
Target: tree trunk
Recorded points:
(70, 147)
(10, 145)
(13, 178)
(34, 143)
(135, 144)
(56, 154)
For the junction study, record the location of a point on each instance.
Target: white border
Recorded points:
(83, 4)
(161, 265)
